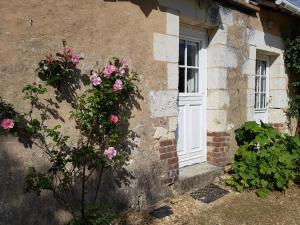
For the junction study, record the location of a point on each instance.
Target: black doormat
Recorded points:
(161, 212)
(209, 194)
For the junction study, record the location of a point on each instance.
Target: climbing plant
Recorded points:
(76, 169)
(292, 63)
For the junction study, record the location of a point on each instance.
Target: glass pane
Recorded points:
(192, 80)
(256, 103)
(192, 53)
(262, 101)
(181, 52)
(263, 67)
(256, 83)
(257, 67)
(181, 81)
(263, 84)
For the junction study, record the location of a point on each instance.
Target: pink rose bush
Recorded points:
(109, 70)
(97, 113)
(75, 59)
(110, 153)
(7, 124)
(56, 68)
(95, 79)
(118, 86)
(114, 119)
(124, 67)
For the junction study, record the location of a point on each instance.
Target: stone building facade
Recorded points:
(198, 61)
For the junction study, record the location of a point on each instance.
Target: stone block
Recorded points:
(250, 98)
(221, 56)
(163, 103)
(250, 114)
(249, 67)
(217, 99)
(278, 99)
(277, 116)
(173, 122)
(172, 72)
(252, 52)
(216, 120)
(172, 26)
(278, 83)
(165, 47)
(220, 36)
(160, 132)
(251, 81)
(277, 70)
(216, 78)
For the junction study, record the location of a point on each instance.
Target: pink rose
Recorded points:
(118, 86)
(50, 60)
(123, 67)
(95, 80)
(114, 118)
(7, 124)
(108, 70)
(110, 153)
(75, 59)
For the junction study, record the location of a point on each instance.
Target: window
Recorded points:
(261, 85)
(188, 66)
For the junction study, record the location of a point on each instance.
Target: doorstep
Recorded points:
(197, 176)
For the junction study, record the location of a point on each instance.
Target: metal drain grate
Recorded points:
(162, 212)
(209, 194)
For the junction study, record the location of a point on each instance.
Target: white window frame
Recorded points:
(267, 92)
(198, 36)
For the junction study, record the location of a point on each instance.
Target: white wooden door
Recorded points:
(261, 89)
(191, 132)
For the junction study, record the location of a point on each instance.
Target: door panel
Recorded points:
(191, 133)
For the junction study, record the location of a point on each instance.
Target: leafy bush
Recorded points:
(265, 160)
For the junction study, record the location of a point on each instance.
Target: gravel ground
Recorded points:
(233, 209)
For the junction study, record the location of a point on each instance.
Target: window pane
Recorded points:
(192, 53)
(263, 67)
(262, 101)
(181, 52)
(257, 67)
(181, 81)
(192, 80)
(256, 83)
(263, 84)
(256, 103)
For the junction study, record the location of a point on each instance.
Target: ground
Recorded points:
(233, 209)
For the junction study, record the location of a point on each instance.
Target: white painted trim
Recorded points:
(267, 59)
(199, 35)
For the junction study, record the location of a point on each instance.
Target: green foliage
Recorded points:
(58, 68)
(292, 55)
(100, 114)
(265, 160)
(96, 215)
(292, 63)
(6, 110)
(36, 181)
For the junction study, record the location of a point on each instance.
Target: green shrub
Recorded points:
(265, 160)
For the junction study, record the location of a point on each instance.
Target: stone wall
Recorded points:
(97, 30)
(147, 34)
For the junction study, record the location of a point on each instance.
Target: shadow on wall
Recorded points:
(145, 6)
(16, 207)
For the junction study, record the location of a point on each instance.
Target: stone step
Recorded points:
(197, 176)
